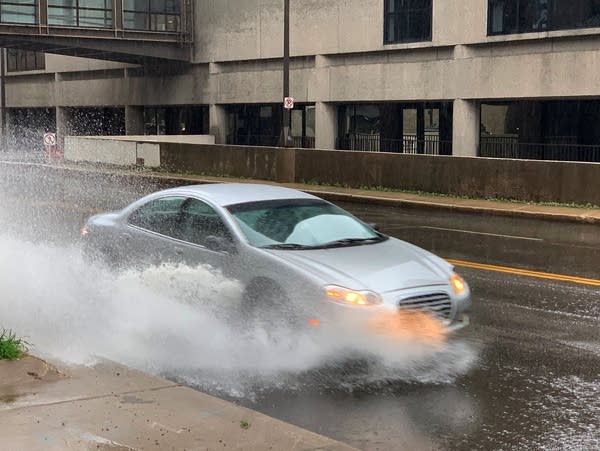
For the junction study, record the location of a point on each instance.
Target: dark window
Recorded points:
(161, 216)
(407, 21)
(523, 16)
(153, 15)
(22, 60)
(154, 121)
(80, 13)
(18, 11)
(200, 221)
(97, 121)
(176, 120)
(396, 127)
(548, 130)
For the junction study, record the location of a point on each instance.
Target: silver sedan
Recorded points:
(297, 256)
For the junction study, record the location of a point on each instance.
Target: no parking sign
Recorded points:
(288, 103)
(51, 151)
(49, 139)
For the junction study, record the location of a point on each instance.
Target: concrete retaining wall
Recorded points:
(527, 180)
(124, 150)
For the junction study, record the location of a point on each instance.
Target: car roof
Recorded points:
(224, 194)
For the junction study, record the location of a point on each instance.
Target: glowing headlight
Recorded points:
(352, 297)
(458, 284)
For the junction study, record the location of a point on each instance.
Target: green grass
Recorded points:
(245, 425)
(11, 347)
(386, 189)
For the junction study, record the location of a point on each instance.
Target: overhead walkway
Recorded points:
(131, 31)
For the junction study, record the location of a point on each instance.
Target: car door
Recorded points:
(204, 236)
(153, 230)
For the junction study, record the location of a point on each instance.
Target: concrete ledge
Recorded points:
(125, 150)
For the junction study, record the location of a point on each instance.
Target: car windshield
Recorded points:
(301, 224)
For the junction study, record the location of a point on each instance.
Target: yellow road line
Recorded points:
(525, 272)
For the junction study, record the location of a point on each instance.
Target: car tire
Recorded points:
(267, 305)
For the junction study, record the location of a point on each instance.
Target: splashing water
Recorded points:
(179, 321)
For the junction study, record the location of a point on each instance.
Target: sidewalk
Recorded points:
(110, 407)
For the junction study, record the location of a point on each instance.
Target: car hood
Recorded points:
(387, 266)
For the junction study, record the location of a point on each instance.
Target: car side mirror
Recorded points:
(374, 226)
(219, 244)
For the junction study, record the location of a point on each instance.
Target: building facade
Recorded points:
(496, 78)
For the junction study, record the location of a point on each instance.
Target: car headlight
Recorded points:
(458, 284)
(347, 296)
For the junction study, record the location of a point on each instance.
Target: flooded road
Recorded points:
(524, 375)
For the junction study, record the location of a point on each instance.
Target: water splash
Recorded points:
(180, 321)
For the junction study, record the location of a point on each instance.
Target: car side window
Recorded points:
(160, 215)
(199, 221)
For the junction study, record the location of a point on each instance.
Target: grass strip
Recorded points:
(11, 347)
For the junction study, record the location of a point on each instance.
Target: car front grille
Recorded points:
(438, 304)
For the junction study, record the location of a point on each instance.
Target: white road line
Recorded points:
(472, 232)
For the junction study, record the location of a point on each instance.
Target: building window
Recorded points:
(176, 120)
(80, 13)
(526, 16)
(544, 130)
(23, 60)
(260, 125)
(407, 21)
(421, 128)
(152, 15)
(18, 11)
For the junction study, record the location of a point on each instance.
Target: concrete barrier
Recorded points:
(124, 150)
(526, 180)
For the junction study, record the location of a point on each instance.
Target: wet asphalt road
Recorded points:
(536, 380)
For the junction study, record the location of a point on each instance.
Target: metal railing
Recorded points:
(306, 142)
(509, 147)
(410, 144)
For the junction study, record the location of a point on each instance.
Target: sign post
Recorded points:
(51, 151)
(286, 139)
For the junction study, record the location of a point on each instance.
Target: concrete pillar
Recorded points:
(218, 126)
(134, 120)
(326, 125)
(466, 126)
(62, 124)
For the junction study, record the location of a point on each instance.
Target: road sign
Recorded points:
(288, 103)
(50, 139)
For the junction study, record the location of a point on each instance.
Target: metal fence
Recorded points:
(430, 145)
(306, 142)
(509, 147)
